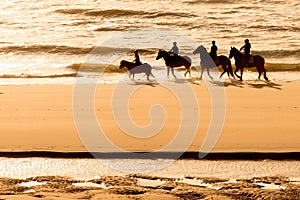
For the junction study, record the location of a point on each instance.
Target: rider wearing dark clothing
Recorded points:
(213, 51)
(246, 48)
(137, 58)
(174, 49)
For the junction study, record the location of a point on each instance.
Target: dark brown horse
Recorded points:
(134, 68)
(258, 62)
(175, 61)
(220, 61)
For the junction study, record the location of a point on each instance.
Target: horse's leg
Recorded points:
(265, 74)
(202, 70)
(207, 69)
(168, 71)
(222, 73)
(190, 72)
(236, 70)
(129, 75)
(186, 72)
(224, 70)
(259, 73)
(148, 74)
(241, 77)
(172, 70)
(228, 71)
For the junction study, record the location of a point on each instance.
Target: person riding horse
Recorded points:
(174, 50)
(246, 48)
(137, 60)
(213, 51)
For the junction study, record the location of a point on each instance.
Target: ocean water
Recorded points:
(45, 41)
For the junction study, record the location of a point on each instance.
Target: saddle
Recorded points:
(250, 58)
(175, 57)
(216, 60)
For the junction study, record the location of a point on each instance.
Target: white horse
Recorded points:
(206, 61)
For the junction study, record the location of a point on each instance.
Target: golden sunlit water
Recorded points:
(41, 38)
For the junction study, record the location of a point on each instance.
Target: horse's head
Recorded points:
(122, 64)
(233, 52)
(161, 54)
(196, 51)
(200, 49)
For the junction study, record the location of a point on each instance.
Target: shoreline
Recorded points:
(250, 77)
(292, 156)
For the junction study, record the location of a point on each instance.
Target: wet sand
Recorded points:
(138, 186)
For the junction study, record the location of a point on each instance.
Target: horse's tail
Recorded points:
(230, 68)
(263, 61)
(188, 61)
(149, 69)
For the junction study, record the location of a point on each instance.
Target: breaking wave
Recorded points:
(38, 76)
(278, 53)
(124, 13)
(53, 49)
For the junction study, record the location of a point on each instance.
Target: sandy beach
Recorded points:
(74, 126)
(260, 117)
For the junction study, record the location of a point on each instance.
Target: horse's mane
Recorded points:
(236, 50)
(203, 52)
(163, 51)
(125, 61)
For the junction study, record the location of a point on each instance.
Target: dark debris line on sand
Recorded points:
(128, 187)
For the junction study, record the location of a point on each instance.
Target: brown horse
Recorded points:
(134, 68)
(220, 61)
(175, 61)
(258, 62)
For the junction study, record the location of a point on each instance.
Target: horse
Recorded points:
(175, 61)
(258, 62)
(207, 62)
(134, 68)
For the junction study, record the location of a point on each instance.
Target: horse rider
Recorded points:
(246, 48)
(213, 51)
(174, 49)
(137, 60)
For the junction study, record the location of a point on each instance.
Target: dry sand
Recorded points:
(260, 117)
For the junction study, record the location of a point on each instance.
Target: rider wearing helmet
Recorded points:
(246, 48)
(174, 49)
